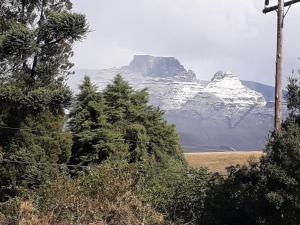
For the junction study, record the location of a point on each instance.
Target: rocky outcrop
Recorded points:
(160, 67)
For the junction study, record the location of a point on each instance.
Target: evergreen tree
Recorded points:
(150, 137)
(93, 136)
(120, 125)
(281, 174)
(36, 38)
(126, 110)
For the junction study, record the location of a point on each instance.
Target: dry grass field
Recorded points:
(217, 161)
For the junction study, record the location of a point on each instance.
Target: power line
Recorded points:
(38, 163)
(109, 140)
(32, 130)
(23, 162)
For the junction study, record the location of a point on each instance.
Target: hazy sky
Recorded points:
(205, 35)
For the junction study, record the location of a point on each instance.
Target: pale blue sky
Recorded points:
(205, 35)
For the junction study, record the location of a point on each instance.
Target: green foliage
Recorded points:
(35, 46)
(16, 43)
(119, 125)
(93, 137)
(293, 98)
(103, 196)
(178, 193)
(281, 165)
(236, 199)
(64, 25)
(36, 100)
(32, 144)
(281, 168)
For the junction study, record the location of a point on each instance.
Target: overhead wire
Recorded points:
(25, 162)
(39, 163)
(113, 139)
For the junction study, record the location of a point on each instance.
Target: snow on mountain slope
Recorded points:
(170, 85)
(220, 114)
(229, 88)
(225, 97)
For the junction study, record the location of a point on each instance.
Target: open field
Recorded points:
(217, 161)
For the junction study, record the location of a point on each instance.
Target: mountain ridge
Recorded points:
(224, 112)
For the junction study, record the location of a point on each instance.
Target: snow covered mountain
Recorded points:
(223, 114)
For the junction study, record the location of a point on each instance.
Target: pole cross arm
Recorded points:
(273, 8)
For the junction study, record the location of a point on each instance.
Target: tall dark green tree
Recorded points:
(94, 138)
(120, 125)
(281, 173)
(144, 127)
(36, 38)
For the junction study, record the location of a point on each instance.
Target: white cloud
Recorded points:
(206, 35)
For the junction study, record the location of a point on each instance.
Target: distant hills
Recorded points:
(267, 91)
(222, 114)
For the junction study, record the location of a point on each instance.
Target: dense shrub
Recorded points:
(105, 196)
(179, 192)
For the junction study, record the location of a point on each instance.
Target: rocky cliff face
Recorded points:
(159, 67)
(222, 114)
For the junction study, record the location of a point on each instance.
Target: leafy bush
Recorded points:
(178, 192)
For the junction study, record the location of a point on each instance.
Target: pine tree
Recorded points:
(36, 38)
(121, 126)
(150, 137)
(93, 135)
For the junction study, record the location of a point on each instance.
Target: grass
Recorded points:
(218, 161)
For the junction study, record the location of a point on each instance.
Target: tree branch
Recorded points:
(23, 12)
(38, 40)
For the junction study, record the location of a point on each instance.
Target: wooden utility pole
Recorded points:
(279, 56)
(278, 76)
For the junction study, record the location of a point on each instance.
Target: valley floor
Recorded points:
(218, 161)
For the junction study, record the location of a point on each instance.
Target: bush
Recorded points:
(179, 193)
(105, 196)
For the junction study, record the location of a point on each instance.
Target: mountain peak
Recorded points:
(158, 66)
(229, 88)
(220, 75)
